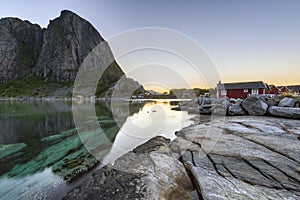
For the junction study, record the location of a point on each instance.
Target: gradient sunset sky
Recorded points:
(247, 40)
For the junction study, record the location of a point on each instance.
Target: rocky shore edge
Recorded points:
(245, 157)
(255, 105)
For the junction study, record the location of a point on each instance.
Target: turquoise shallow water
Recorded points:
(42, 149)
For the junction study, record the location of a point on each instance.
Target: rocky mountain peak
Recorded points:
(67, 41)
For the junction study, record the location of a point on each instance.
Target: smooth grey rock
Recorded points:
(233, 101)
(235, 110)
(213, 105)
(273, 101)
(147, 173)
(287, 102)
(255, 105)
(251, 158)
(219, 110)
(204, 101)
(205, 109)
(293, 113)
(215, 187)
(239, 101)
(220, 106)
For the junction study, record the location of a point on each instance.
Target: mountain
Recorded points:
(50, 57)
(20, 46)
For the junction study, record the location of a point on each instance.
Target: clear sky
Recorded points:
(247, 40)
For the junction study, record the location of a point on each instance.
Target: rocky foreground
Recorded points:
(245, 157)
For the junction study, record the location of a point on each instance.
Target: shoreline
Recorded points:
(85, 99)
(202, 170)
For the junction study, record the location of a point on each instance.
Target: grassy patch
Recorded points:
(32, 86)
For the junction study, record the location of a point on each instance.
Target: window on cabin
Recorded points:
(245, 90)
(254, 91)
(224, 92)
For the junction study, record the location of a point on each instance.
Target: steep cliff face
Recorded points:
(20, 45)
(53, 54)
(67, 41)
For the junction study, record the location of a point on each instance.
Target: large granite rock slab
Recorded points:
(235, 110)
(250, 158)
(255, 105)
(287, 102)
(149, 172)
(285, 112)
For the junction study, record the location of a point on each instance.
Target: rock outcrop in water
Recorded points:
(54, 53)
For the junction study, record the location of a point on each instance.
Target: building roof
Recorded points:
(282, 87)
(295, 88)
(242, 85)
(270, 86)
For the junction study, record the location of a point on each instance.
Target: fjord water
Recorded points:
(40, 148)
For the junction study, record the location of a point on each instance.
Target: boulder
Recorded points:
(232, 100)
(204, 101)
(235, 110)
(273, 101)
(205, 105)
(255, 105)
(205, 109)
(293, 113)
(217, 106)
(287, 102)
(220, 106)
(219, 110)
(239, 101)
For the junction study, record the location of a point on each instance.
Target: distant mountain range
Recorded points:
(50, 56)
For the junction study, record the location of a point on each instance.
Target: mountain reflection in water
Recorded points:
(40, 147)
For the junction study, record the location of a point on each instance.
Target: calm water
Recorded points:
(41, 148)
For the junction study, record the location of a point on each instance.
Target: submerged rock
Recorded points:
(57, 137)
(9, 149)
(69, 157)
